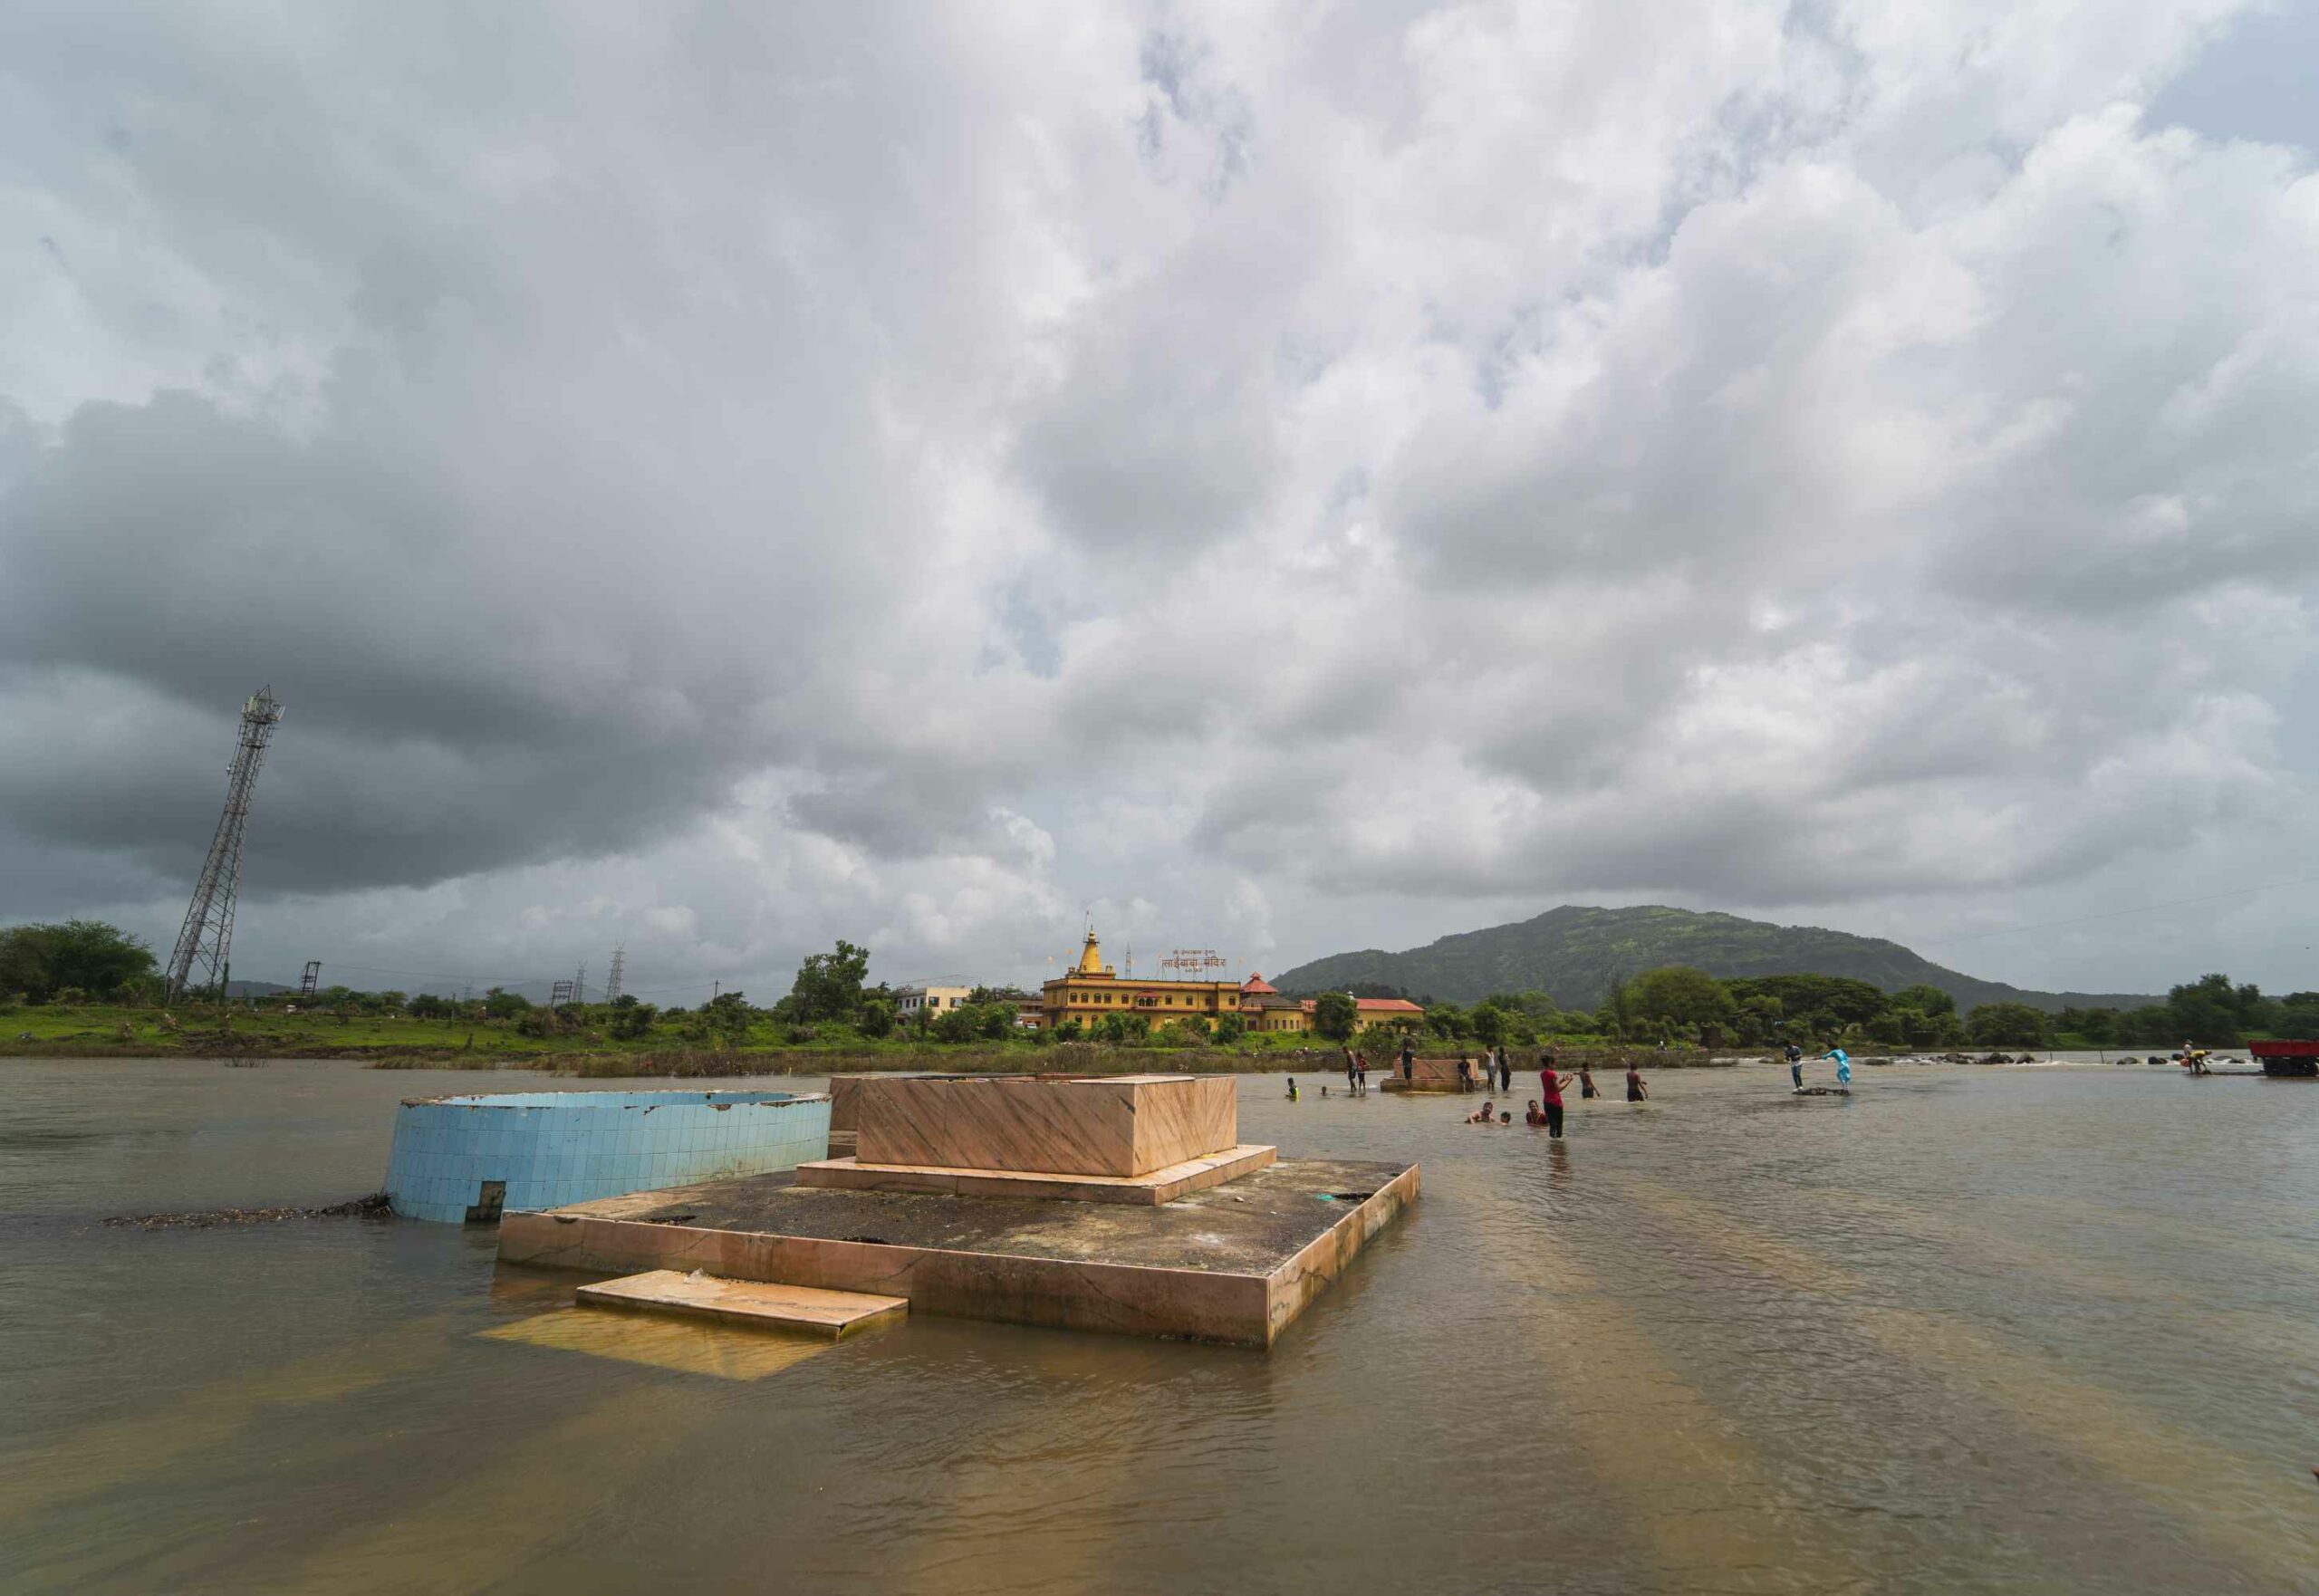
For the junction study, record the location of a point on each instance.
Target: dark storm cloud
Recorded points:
(727, 479)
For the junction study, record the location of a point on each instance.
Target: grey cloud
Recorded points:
(729, 479)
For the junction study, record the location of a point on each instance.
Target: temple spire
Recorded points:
(1091, 961)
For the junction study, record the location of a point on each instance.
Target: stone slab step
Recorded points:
(803, 1308)
(1161, 1186)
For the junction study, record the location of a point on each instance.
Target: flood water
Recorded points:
(1973, 1328)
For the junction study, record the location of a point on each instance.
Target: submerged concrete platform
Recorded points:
(1161, 1186)
(1233, 1263)
(808, 1309)
(1425, 1075)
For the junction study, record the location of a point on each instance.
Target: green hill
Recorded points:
(1574, 955)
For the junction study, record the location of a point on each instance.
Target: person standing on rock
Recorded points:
(1796, 1065)
(1843, 1064)
(1409, 1059)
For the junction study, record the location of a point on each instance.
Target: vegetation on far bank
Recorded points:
(87, 989)
(1577, 953)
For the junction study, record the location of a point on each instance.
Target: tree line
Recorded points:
(85, 960)
(1679, 1004)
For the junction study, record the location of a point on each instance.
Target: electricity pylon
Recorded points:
(207, 934)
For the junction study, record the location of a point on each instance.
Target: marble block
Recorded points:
(812, 1310)
(845, 1099)
(1163, 1185)
(1122, 1125)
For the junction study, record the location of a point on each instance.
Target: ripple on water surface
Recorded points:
(1968, 1329)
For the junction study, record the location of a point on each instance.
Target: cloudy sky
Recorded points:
(1284, 479)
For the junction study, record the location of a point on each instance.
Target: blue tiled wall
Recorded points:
(553, 1147)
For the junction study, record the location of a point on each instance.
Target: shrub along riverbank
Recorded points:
(238, 1034)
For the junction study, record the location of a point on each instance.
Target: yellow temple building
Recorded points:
(1094, 989)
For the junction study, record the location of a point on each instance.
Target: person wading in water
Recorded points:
(1550, 1093)
(1586, 1082)
(1636, 1091)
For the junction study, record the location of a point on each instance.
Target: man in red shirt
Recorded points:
(1550, 1085)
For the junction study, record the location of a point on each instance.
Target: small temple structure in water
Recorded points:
(1124, 1204)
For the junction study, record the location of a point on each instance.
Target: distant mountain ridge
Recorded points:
(1573, 954)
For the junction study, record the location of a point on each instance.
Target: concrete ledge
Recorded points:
(813, 1311)
(1235, 1263)
(1161, 1185)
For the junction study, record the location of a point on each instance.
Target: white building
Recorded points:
(912, 1001)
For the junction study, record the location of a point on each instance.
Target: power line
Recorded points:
(2111, 914)
(510, 981)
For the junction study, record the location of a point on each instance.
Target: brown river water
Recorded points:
(1973, 1328)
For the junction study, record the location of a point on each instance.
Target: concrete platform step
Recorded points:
(803, 1308)
(1161, 1186)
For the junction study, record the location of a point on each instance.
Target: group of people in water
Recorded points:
(1546, 1109)
(1497, 1072)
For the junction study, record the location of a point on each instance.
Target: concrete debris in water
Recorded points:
(373, 1207)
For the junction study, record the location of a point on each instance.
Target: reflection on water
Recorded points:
(1968, 1329)
(686, 1346)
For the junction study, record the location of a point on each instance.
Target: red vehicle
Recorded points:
(2287, 1058)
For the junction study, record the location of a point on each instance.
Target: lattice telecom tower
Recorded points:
(209, 932)
(620, 970)
(311, 982)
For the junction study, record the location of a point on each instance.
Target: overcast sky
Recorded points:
(721, 478)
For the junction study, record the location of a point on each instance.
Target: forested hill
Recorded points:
(1574, 955)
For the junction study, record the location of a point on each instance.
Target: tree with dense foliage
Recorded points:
(875, 1017)
(1674, 996)
(2005, 1024)
(1334, 1013)
(829, 984)
(1832, 1002)
(631, 1021)
(1925, 1000)
(1488, 1024)
(2212, 1010)
(728, 1013)
(86, 955)
(501, 1003)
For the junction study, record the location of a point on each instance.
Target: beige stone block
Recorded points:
(806, 1309)
(1163, 1185)
(845, 1102)
(1126, 1125)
